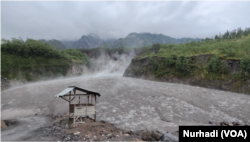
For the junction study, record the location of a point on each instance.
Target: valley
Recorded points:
(131, 104)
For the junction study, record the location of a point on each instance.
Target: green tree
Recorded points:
(182, 65)
(216, 65)
(245, 65)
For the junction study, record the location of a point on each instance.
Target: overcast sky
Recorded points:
(70, 20)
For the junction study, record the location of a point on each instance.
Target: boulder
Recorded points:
(146, 135)
(236, 123)
(156, 135)
(169, 137)
(224, 124)
(2, 124)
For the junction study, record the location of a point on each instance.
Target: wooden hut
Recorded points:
(78, 109)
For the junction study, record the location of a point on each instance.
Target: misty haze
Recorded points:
(157, 66)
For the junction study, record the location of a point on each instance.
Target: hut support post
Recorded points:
(91, 99)
(79, 99)
(95, 109)
(69, 103)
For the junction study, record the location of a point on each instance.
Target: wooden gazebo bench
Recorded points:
(79, 110)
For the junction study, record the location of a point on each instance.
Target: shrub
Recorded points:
(215, 65)
(245, 65)
(183, 65)
(75, 55)
(169, 62)
(153, 63)
(224, 67)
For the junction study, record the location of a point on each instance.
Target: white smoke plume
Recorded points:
(114, 65)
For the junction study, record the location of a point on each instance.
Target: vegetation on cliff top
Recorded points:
(76, 56)
(178, 59)
(227, 48)
(32, 59)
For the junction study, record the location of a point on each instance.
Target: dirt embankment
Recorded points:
(140, 68)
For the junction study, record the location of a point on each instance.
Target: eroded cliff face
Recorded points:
(137, 68)
(140, 68)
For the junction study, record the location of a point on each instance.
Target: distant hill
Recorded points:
(86, 41)
(89, 41)
(56, 43)
(69, 43)
(146, 39)
(132, 40)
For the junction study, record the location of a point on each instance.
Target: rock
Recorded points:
(235, 123)
(218, 123)
(224, 124)
(66, 126)
(212, 122)
(102, 121)
(151, 139)
(176, 133)
(169, 137)
(156, 135)
(10, 122)
(126, 135)
(76, 133)
(109, 136)
(146, 135)
(67, 138)
(135, 139)
(3, 125)
(130, 132)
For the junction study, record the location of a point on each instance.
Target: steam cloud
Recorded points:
(108, 65)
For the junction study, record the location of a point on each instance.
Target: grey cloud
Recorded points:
(71, 20)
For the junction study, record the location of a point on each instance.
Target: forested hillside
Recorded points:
(224, 58)
(32, 59)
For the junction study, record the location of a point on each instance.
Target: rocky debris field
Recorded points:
(223, 123)
(126, 104)
(60, 130)
(87, 131)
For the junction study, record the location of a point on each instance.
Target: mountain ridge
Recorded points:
(131, 40)
(146, 39)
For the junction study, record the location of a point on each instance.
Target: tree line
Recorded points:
(29, 48)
